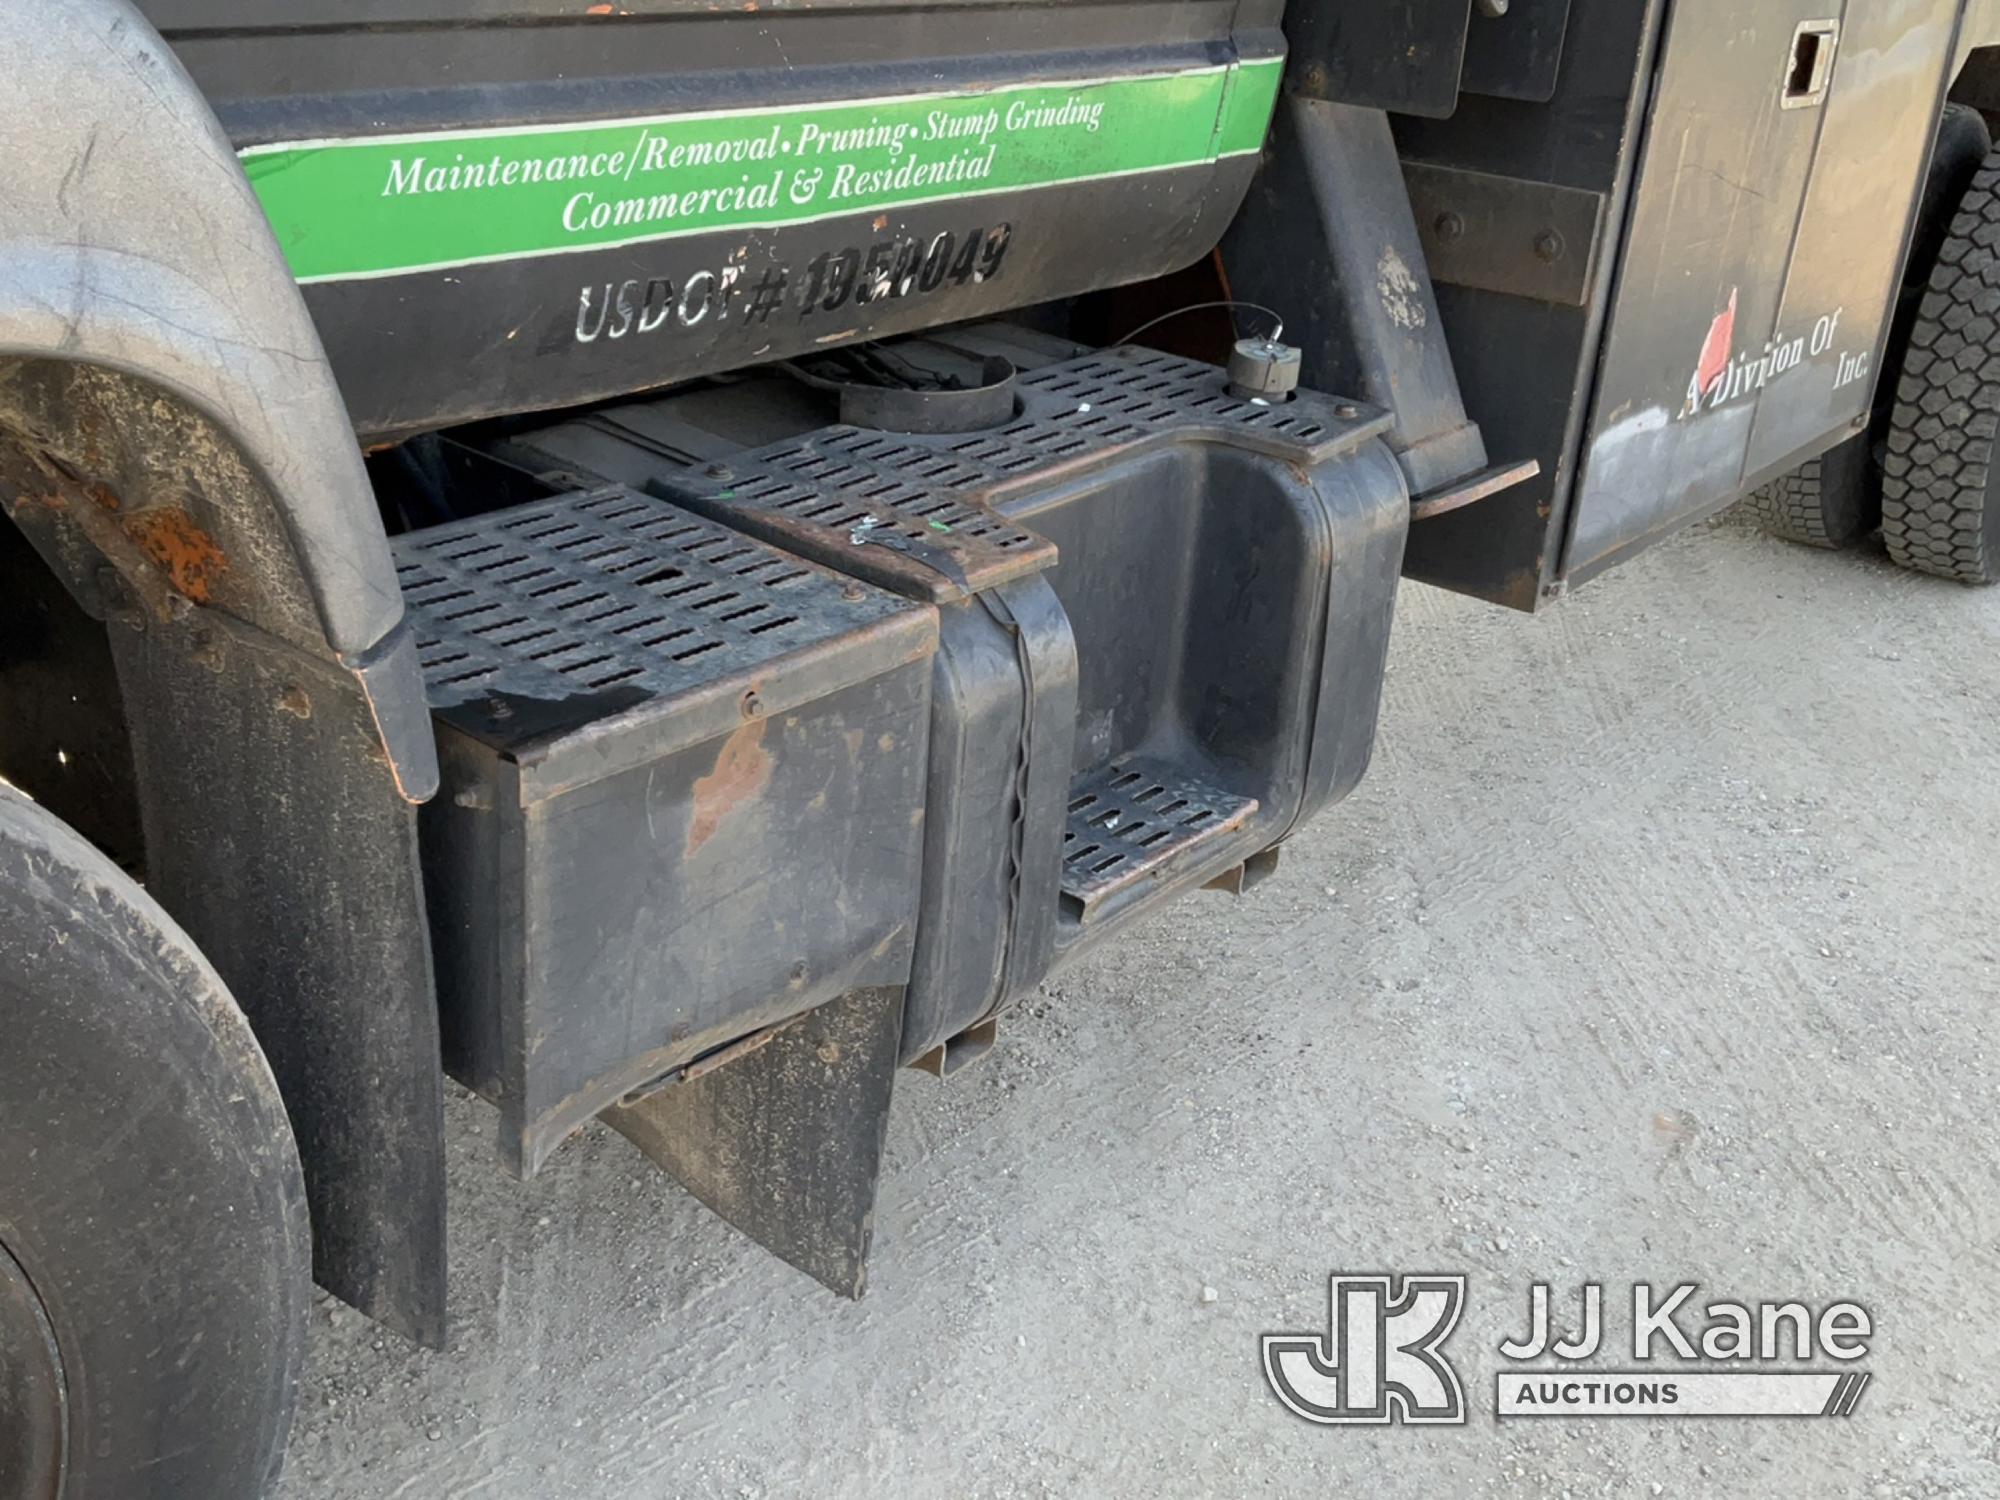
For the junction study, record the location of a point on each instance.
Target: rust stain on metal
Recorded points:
(708, 1062)
(742, 770)
(90, 430)
(295, 701)
(192, 560)
(53, 501)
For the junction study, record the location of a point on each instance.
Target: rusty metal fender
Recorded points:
(130, 242)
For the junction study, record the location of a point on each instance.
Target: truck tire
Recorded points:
(155, 1256)
(1836, 499)
(1939, 504)
(1830, 501)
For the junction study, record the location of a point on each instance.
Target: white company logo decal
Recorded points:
(1382, 1359)
(1722, 376)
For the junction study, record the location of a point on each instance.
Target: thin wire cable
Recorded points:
(1277, 322)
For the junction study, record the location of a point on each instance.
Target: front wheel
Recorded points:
(155, 1257)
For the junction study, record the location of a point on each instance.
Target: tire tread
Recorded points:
(1792, 507)
(1937, 517)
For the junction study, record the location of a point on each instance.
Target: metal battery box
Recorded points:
(683, 798)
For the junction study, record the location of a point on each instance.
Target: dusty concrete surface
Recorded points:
(1660, 945)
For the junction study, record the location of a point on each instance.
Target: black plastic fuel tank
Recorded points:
(1162, 616)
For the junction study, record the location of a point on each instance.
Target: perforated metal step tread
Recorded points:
(864, 502)
(917, 513)
(1115, 397)
(1137, 820)
(535, 620)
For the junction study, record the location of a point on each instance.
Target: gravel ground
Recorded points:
(1659, 945)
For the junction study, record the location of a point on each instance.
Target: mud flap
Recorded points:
(276, 837)
(786, 1142)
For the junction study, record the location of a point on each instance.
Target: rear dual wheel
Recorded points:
(1940, 481)
(154, 1252)
(1920, 471)
(1831, 501)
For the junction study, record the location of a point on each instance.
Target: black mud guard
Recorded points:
(173, 442)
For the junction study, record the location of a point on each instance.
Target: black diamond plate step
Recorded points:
(537, 619)
(918, 513)
(1139, 820)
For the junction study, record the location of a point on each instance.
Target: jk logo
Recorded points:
(1379, 1360)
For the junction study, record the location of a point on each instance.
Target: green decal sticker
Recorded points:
(386, 205)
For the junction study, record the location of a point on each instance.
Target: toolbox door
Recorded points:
(1847, 261)
(1784, 149)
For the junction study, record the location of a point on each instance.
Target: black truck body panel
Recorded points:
(1762, 259)
(456, 341)
(1586, 244)
(1579, 200)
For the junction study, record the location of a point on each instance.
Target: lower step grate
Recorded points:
(1138, 821)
